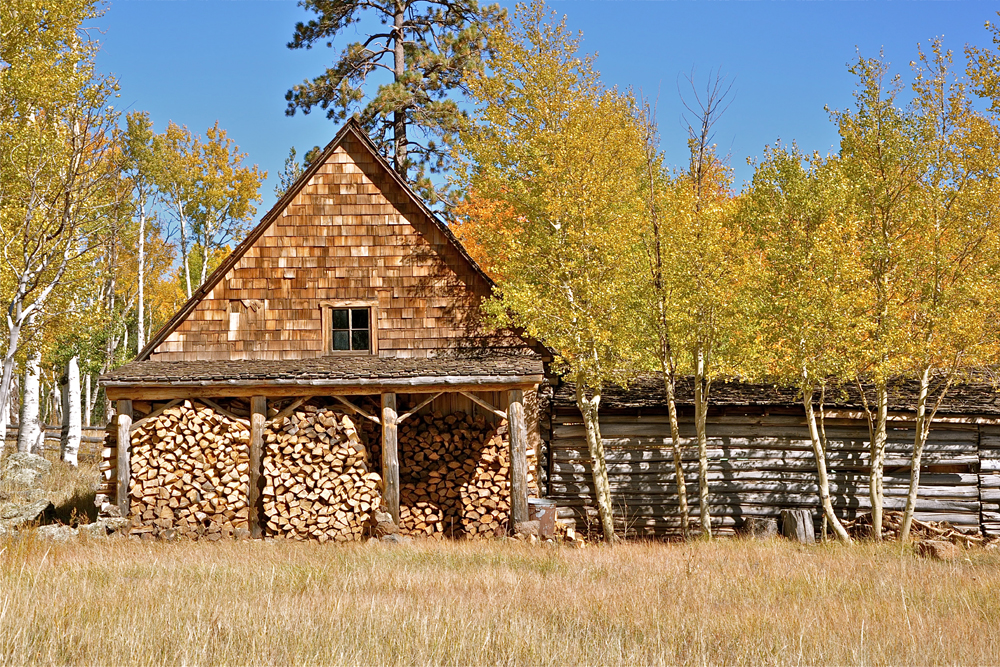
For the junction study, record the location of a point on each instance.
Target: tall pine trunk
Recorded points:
(72, 431)
(399, 69)
(30, 427)
(701, 388)
(819, 451)
(599, 467)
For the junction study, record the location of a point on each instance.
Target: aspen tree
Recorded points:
(810, 278)
(883, 162)
(661, 299)
(30, 431)
(58, 178)
(562, 160)
(704, 280)
(954, 306)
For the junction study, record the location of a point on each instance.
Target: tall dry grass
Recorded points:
(121, 602)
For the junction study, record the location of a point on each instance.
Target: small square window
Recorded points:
(350, 329)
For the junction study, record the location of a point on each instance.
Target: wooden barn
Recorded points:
(335, 362)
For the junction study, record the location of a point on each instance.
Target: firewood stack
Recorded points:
(190, 474)
(318, 484)
(454, 476)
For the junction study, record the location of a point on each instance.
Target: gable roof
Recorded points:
(353, 128)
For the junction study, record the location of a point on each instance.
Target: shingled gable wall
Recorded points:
(350, 233)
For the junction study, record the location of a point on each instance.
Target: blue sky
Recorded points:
(198, 61)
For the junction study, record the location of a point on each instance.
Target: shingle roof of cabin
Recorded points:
(330, 370)
(978, 396)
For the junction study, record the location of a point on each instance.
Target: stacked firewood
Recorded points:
(318, 484)
(454, 476)
(190, 474)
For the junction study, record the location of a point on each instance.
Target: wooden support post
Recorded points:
(390, 456)
(124, 452)
(518, 438)
(258, 415)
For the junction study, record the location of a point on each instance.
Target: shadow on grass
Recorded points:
(77, 508)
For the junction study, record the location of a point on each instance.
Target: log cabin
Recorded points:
(760, 456)
(344, 331)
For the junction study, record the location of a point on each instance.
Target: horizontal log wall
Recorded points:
(989, 478)
(761, 464)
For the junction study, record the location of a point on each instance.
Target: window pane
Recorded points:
(359, 318)
(359, 340)
(341, 340)
(340, 319)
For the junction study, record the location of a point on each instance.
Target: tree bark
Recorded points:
(29, 427)
(72, 431)
(675, 444)
(879, 437)
(819, 450)
(700, 418)
(922, 430)
(602, 489)
(141, 330)
(13, 342)
(399, 69)
(88, 403)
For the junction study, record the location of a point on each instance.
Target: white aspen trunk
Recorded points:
(141, 331)
(9, 416)
(72, 431)
(13, 343)
(29, 426)
(602, 490)
(920, 438)
(184, 250)
(700, 419)
(88, 403)
(675, 444)
(879, 437)
(819, 450)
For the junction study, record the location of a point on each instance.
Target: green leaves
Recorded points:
(407, 71)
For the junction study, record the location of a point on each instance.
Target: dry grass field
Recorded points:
(121, 602)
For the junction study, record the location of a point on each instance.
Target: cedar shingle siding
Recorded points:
(351, 233)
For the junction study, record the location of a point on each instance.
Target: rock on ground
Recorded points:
(14, 516)
(938, 549)
(57, 533)
(23, 469)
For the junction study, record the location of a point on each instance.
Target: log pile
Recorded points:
(454, 476)
(318, 484)
(190, 474)
(892, 522)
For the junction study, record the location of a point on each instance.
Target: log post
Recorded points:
(124, 446)
(518, 438)
(390, 456)
(258, 415)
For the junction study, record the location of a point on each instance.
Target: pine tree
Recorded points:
(425, 49)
